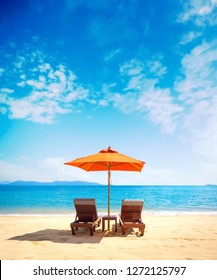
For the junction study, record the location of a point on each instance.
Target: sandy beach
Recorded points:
(186, 237)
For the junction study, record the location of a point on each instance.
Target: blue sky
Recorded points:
(78, 76)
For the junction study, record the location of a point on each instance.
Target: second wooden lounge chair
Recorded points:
(131, 215)
(86, 215)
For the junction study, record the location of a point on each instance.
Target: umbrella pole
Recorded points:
(109, 177)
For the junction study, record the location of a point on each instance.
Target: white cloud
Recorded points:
(46, 91)
(131, 68)
(198, 92)
(35, 84)
(136, 82)
(197, 87)
(21, 84)
(189, 37)
(200, 12)
(45, 67)
(56, 170)
(199, 70)
(79, 94)
(46, 170)
(6, 90)
(161, 108)
(3, 98)
(103, 103)
(140, 93)
(157, 69)
(11, 172)
(36, 109)
(205, 10)
(155, 66)
(20, 62)
(20, 108)
(53, 169)
(112, 54)
(192, 109)
(23, 77)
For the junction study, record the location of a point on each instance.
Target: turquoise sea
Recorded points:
(45, 199)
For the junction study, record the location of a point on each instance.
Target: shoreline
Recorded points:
(144, 213)
(180, 237)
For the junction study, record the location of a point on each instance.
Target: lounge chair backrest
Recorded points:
(131, 210)
(86, 209)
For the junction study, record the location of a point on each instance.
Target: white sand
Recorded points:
(166, 237)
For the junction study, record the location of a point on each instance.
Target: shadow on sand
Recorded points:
(65, 236)
(60, 236)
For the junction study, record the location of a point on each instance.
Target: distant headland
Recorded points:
(54, 183)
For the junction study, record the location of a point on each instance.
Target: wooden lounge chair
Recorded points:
(130, 216)
(86, 215)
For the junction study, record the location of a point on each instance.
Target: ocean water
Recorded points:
(26, 200)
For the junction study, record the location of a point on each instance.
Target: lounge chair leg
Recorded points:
(73, 230)
(142, 230)
(91, 231)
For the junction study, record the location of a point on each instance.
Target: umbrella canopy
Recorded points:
(108, 160)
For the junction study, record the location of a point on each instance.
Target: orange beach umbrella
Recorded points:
(108, 160)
